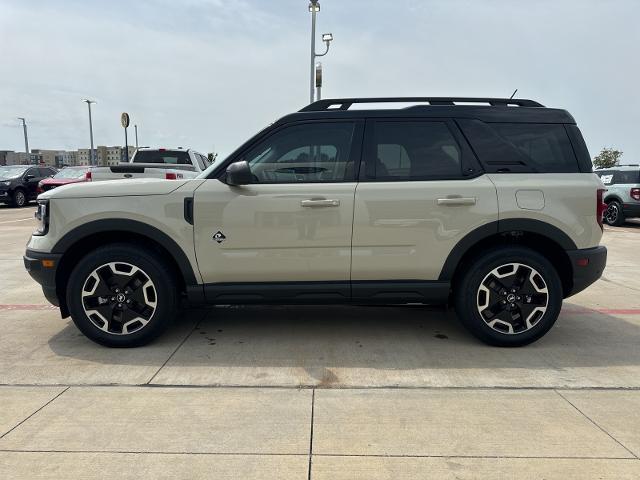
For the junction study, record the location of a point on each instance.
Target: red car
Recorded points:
(65, 176)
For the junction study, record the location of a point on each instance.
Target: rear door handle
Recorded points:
(318, 203)
(455, 201)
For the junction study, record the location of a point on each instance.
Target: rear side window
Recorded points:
(521, 147)
(626, 177)
(158, 156)
(412, 150)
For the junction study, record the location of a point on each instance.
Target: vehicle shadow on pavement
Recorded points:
(380, 346)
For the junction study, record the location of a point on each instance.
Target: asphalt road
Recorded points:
(321, 392)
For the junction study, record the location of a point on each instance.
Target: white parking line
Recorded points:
(19, 220)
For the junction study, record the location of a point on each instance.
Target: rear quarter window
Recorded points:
(521, 147)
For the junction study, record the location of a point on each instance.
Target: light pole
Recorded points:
(327, 38)
(92, 157)
(136, 128)
(26, 140)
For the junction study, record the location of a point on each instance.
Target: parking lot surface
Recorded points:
(321, 392)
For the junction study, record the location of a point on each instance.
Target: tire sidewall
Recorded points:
(466, 296)
(152, 266)
(619, 219)
(16, 194)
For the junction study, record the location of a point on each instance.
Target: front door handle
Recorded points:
(456, 201)
(319, 202)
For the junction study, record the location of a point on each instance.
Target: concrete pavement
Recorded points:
(321, 392)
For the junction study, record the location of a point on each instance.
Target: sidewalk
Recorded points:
(203, 432)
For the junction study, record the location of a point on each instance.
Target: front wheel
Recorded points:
(19, 198)
(121, 295)
(509, 297)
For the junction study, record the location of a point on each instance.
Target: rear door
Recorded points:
(293, 224)
(420, 193)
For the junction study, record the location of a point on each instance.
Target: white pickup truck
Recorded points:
(170, 164)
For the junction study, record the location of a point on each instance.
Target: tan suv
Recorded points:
(490, 204)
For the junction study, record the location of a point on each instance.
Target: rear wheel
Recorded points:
(121, 295)
(509, 297)
(614, 215)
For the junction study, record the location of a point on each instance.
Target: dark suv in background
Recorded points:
(19, 183)
(623, 193)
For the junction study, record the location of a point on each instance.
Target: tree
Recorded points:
(607, 158)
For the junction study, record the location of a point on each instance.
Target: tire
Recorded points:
(108, 312)
(19, 198)
(511, 318)
(614, 215)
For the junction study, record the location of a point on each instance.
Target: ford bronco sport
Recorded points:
(623, 193)
(490, 204)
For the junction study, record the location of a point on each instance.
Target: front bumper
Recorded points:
(5, 197)
(588, 265)
(37, 264)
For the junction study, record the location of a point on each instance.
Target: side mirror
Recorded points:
(29, 177)
(239, 173)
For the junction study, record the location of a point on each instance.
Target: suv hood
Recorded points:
(114, 188)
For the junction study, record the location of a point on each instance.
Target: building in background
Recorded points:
(83, 157)
(3, 156)
(105, 156)
(69, 158)
(16, 158)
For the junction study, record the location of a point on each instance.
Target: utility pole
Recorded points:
(314, 8)
(92, 156)
(318, 81)
(26, 140)
(136, 128)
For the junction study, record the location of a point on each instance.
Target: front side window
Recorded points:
(412, 150)
(305, 153)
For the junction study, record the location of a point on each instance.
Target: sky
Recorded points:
(208, 74)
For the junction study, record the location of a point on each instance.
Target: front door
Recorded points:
(293, 224)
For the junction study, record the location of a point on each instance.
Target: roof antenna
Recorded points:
(514, 92)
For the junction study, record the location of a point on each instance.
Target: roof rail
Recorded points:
(345, 103)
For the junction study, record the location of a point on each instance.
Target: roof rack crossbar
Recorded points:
(346, 103)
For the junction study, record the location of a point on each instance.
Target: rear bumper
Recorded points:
(631, 210)
(588, 265)
(45, 276)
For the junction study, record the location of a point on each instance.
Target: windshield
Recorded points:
(71, 173)
(12, 171)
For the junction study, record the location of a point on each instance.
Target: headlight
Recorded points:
(6, 184)
(42, 216)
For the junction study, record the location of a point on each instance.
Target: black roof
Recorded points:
(512, 110)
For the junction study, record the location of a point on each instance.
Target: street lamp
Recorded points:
(92, 158)
(327, 38)
(26, 140)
